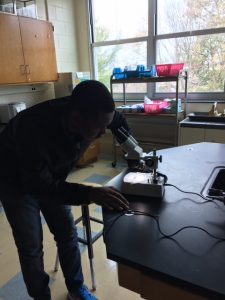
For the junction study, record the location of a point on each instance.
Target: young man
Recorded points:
(38, 148)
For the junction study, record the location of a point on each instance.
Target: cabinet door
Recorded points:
(190, 135)
(215, 135)
(39, 50)
(12, 69)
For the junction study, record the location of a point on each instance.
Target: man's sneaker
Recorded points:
(81, 294)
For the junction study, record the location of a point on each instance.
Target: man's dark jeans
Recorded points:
(23, 214)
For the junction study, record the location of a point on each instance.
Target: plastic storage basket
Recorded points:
(156, 107)
(169, 69)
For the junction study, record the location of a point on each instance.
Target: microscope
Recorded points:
(142, 178)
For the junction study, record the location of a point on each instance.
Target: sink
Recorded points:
(215, 182)
(204, 117)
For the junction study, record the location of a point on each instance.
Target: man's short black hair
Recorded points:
(91, 97)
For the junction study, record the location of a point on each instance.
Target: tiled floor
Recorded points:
(11, 283)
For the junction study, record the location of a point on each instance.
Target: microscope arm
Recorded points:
(128, 144)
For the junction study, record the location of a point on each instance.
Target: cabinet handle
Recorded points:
(22, 69)
(27, 67)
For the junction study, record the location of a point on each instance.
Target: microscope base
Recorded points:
(141, 184)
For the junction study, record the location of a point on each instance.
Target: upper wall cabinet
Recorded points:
(12, 66)
(39, 50)
(27, 51)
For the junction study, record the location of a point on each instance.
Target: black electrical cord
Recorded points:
(162, 175)
(219, 198)
(156, 218)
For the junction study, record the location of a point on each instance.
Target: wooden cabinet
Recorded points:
(90, 155)
(151, 288)
(27, 51)
(12, 66)
(190, 135)
(39, 50)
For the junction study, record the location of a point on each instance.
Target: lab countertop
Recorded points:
(190, 259)
(202, 124)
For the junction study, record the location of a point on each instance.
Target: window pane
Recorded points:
(118, 19)
(119, 56)
(185, 15)
(7, 6)
(204, 56)
(170, 87)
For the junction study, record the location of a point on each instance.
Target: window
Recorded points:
(108, 57)
(130, 32)
(120, 31)
(116, 19)
(193, 32)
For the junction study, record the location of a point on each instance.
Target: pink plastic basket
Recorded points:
(155, 107)
(169, 69)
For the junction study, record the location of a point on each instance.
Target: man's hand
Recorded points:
(108, 197)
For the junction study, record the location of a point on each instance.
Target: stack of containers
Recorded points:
(139, 72)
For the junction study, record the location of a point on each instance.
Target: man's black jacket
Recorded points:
(36, 154)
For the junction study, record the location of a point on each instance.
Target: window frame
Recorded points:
(151, 40)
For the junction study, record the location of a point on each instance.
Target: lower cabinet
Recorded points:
(215, 135)
(190, 135)
(156, 131)
(152, 288)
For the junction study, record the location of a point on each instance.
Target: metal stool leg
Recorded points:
(56, 262)
(114, 153)
(87, 240)
(86, 220)
(83, 223)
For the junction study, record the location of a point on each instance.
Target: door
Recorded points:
(39, 50)
(12, 68)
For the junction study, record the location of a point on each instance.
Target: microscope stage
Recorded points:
(141, 184)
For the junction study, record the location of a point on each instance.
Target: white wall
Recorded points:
(82, 35)
(62, 15)
(30, 94)
(71, 32)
